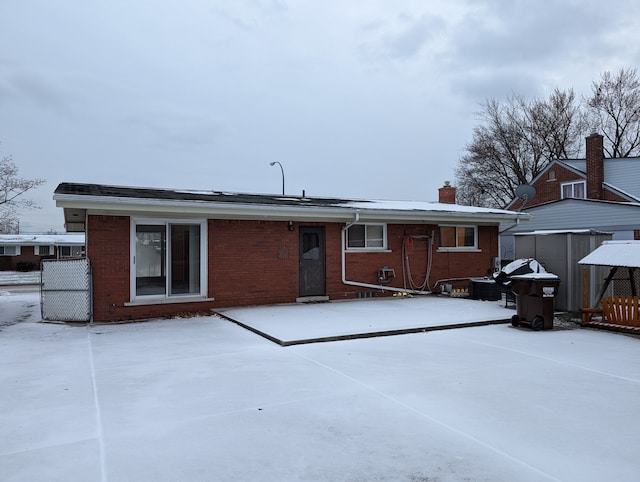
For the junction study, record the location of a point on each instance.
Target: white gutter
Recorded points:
(430, 213)
(343, 236)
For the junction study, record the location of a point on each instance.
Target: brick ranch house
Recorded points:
(25, 252)
(160, 252)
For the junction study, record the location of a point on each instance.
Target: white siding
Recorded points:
(581, 214)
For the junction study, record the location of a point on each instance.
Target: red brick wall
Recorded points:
(107, 247)
(447, 194)
(236, 280)
(548, 187)
(256, 262)
(595, 166)
(363, 267)
(252, 262)
(609, 196)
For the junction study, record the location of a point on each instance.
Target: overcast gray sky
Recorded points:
(372, 100)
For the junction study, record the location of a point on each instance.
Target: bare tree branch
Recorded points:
(514, 142)
(614, 111)
(12, 190)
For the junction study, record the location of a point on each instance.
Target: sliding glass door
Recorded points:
(184, 260)
(150, 256)
(169, 259)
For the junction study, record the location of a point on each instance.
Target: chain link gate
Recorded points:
(65, 291)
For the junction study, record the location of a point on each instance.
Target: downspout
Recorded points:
(500, 233)
(510, 227)
(357, 283)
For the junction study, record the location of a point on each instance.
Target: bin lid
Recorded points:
(547, 276)
(483, 280)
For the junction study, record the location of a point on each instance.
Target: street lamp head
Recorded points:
(281, 170)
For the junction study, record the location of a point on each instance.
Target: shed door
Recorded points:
(312, 282)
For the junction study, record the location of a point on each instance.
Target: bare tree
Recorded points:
(12, 190)
(558, 124)
(514, 142)
(614, 111)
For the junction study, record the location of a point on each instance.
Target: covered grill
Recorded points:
(518, 267)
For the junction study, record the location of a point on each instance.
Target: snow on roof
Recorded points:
(43, 239)
(547, 276)
(73, 195)
(421, 206)
(543, 232)
(624, 254)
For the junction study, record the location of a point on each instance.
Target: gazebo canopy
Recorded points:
(621, 254)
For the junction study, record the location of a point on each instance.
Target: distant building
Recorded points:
(25, 251)
(578, 203)
(595, 193)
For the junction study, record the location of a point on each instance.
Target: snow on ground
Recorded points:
(8, 278)
(202, 399)
(18, 307)
(289, 323)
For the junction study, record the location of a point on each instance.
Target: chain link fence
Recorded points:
(65, 292)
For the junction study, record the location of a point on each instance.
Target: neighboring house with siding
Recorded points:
(595, 193)
(159, 252)
(26, 251)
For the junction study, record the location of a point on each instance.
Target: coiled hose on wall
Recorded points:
(407, 250)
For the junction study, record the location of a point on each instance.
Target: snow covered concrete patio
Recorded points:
(317, 322)
(203, 399)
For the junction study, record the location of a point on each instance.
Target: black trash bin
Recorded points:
(535, 295)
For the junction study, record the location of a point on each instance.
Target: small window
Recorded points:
(44, 250)
(70, 251)
(573, 190)
(552, 175)
(458, 237)
(9, 250)
(367, 236)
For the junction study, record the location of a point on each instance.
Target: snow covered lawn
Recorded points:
(19, 278)
(202, 399)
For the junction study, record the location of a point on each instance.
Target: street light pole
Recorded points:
(281, 170)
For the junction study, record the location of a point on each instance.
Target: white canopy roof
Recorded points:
(625, 254)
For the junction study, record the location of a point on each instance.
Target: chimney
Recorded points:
(595, 166)
(447, 194)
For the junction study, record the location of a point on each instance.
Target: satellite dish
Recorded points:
(526, 192)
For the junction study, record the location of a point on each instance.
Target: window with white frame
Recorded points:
(43, 250)
(367, 236)
(169, 259)
(70, 251)
(458, 237)
(9, 250)
(573, 189)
